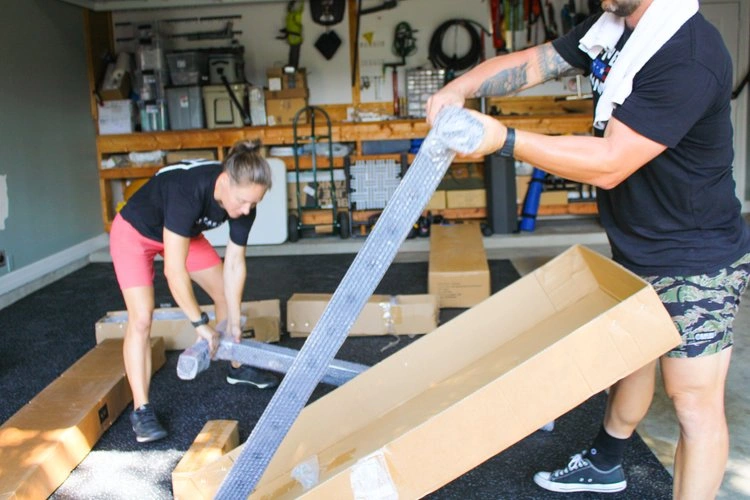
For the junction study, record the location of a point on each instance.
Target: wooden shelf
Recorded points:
(129, 172)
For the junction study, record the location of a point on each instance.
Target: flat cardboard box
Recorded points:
(190, 154)
(546, 198)
(217, 438)
(263, 317)
(382, 315)
(437, 202)
(116, 117)
(472, 388)
(48, 437)
(466, 198)
(458, 269)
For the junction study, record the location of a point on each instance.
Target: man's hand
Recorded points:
(493, 138)
(211, 336)
(444, 97)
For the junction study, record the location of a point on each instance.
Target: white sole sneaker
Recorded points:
(543, 479)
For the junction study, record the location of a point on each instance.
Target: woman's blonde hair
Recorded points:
(245, 165)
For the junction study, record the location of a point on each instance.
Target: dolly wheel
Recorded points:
(293, 228)
(344, 225)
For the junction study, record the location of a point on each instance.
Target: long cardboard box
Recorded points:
(382, 315)
(263, 319)
(458, 269)
(472, 388)
(48, 437)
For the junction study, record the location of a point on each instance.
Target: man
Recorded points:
(167, 216)
(661, 160)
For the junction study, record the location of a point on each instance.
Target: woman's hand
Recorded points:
(211, 336)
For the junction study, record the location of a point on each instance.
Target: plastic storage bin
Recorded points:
(229, 65)
(188, 68)
(153, 116)
(185, 107)
(221, 112)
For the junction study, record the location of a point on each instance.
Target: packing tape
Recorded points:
(370, 479)
(391, 314)
(307, 472)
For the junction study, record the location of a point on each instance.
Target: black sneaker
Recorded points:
(247, 375)
(581, 475)
(145, 425)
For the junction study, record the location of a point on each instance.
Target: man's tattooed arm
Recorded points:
(544, 64)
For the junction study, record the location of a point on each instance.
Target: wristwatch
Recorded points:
(200, 322)
(510, 141)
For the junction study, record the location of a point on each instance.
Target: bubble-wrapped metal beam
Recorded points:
(454, 130)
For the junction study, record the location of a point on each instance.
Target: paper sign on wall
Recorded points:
(3, 201)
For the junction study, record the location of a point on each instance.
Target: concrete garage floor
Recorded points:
(528, 251)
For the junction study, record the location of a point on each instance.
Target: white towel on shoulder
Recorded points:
(658, 24)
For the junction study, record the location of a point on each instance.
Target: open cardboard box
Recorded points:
(472, 388)
(382, 315)
(170, 323)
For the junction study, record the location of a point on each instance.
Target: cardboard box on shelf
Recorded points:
(558, 197)
(116, 117)
(190, 154)
(48, 437)
(437, 202)
(469, 198)
(307, 191)
(382, 315)
(263, 317)
(278, 79)
(458, 269)
(119, 92)
(431, 412)
(283, 105)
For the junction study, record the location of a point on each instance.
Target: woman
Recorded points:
(167, 217)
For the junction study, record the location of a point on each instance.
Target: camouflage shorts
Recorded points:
(703, 307)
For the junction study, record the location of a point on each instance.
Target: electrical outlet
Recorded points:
(3, 260)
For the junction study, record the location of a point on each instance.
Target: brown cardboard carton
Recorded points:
(559, 197)
(466, 198)
(190, 154)
(263, 317)
(472, 388)
(458, 272)
(282, 106)
(382, 315)
(279, 79)
(217, 438)
(48, 437)
(437, 202)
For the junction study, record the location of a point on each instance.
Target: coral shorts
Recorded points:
(133, 254)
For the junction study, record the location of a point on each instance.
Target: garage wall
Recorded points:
(49, 192)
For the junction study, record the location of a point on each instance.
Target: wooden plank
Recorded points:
(317, 217)
(129, 172)
(305, 162)
(217, 438)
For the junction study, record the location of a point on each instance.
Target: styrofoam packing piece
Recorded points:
(454, 130)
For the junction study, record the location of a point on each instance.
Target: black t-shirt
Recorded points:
(678, 214)
(180, 197)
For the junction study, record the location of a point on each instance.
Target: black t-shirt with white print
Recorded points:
(180, 197)
(678, 214)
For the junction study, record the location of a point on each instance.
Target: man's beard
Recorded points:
(621, 8)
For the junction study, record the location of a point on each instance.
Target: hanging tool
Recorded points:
(292, 32)
(404, 45)
(453, 63)
(387, 4)
(497, 16)
(327, 13)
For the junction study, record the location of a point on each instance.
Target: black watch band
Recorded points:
(510, 142)
(202, 321)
